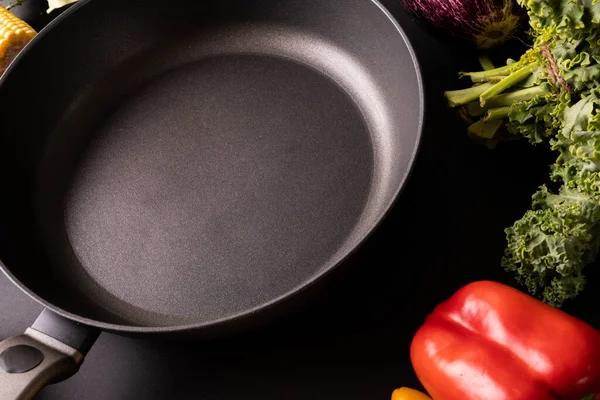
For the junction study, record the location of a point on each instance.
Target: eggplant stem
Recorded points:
(508, 82)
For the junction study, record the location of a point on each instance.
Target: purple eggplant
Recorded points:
(484, 23)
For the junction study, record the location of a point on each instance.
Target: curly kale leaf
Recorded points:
(562, 18)
(577, 117)
(583, 77)
(556, 15)
(532, 120)
(539, 118)
(578, 166)
(577, 60)
(550, 246)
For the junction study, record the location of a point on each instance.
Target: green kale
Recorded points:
(549, 247)
(551, 96)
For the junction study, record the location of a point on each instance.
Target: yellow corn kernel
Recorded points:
(14, 35)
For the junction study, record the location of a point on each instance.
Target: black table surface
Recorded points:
(351, 341)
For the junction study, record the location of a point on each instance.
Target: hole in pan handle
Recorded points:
(50, 351)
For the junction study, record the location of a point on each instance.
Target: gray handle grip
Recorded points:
(55, 362)
(51, 351)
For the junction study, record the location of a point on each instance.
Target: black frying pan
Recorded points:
(193, 164)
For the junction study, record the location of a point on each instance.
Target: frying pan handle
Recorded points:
(51, 351)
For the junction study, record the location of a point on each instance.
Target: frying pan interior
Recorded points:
(179, 163)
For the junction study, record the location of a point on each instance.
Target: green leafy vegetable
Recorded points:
(551, 96)
(549, 246)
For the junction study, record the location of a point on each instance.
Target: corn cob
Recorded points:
(14, 35)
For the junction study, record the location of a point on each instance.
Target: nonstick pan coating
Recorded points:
(176, 164)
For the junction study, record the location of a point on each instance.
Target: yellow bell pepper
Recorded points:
(408, 394)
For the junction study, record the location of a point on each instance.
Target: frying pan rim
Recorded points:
(295, 291)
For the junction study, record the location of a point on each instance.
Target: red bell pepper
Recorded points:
(492, 342)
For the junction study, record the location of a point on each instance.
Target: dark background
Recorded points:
(352, 340)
